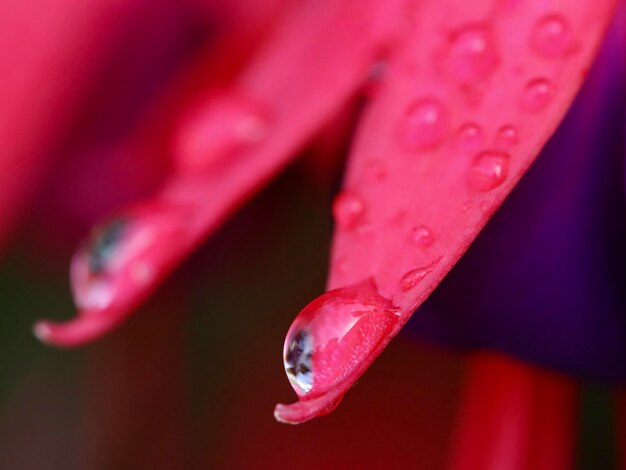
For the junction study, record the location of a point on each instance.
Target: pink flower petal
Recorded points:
(308, 69)
(481, 62)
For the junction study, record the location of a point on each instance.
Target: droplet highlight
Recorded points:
(424, 125)
(332, 334)
(538, 94)
(552, 36)
(348, 209)
(489, 170)
(471, 55)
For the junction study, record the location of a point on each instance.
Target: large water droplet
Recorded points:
(506, 137)
(224, 124)
(538, 94)
(119, 253)
(552, 36)
(332, 334)
(424, 124)
(489, 170)
(471, 55)
(348, 209)
(469, 137)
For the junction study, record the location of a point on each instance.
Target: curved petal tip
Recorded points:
(75, 332)
(305, 410)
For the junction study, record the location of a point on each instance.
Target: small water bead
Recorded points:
(471, 55)
(332, 334)
(538, 94)
(469, 137)
(412, 278)
(489, 170)
(467, 206)
(424, 124)
(102, 244)
(348, 209)
(507, 137)
(422, 236)
(552, 36)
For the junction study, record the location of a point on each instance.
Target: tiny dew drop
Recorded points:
(471, 55)
(507, 137)
(489, 169)
(102, 245)
(348, 209)
(422, 236)
(538, 94)
(552, 36)
(424, 125)
(333, 333)
(469, 137)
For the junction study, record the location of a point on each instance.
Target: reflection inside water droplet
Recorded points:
(333, 334)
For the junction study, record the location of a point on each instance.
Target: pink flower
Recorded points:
(462, 96)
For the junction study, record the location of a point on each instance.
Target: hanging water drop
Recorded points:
(469, 138)
(424, 124)
(333, 333)
(489, 170)
(348, 209)
(471, 55)
(507, 137)
(538, 94)
(552, 36)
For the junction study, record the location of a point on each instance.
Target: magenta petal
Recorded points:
(342, 39)
(485, 64)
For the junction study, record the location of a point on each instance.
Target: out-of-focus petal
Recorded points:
(294, 98)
